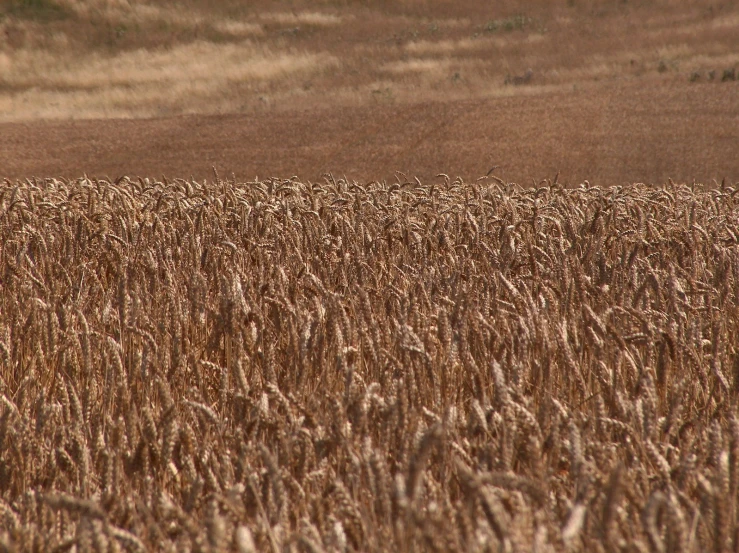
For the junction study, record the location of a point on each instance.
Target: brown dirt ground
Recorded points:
(611, 125)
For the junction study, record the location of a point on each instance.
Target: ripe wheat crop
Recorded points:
(308, 367)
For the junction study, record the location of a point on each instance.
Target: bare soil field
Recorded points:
(612, 92)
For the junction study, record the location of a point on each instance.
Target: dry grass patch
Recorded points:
(146, 81)
(236, 28)
(451, 47)
(310, 18)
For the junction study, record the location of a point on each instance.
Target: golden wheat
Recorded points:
(288, 366)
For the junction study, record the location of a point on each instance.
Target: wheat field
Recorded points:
(392, 366)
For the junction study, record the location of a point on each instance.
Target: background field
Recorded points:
(619, 90)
